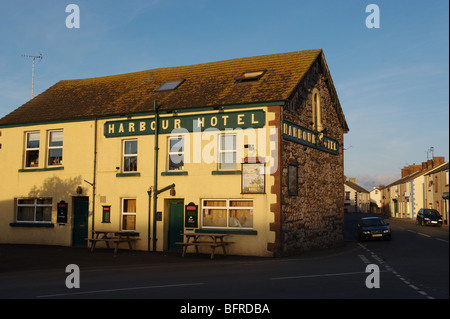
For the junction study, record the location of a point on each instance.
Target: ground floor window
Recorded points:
(34, 210)
(227, 213)
(128, 214)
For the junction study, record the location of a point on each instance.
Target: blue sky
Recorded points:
(392, 81)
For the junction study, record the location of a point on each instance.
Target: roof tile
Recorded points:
(207, 84)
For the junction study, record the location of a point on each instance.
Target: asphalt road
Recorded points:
(413, 265)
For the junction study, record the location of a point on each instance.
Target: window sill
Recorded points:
(226, 173)
(24, 170)
(31, 224)
(174, 173)
(127, 174)
(226, 231)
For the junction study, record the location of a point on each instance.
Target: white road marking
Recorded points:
(118, 289)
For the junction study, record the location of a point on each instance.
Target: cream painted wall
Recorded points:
(197, 185)
(78, 163)
(18, 182)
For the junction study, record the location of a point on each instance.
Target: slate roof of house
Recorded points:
(204, 85)
(440, 168)
(356, 187)
(419, 173)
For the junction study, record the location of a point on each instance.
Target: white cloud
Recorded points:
(368, 182)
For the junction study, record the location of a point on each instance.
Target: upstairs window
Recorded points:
(130, 155)
(55, 148)
(176, 153)
(32, 149)
(227, 152)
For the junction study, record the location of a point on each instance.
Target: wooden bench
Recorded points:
(120, 237)
(197, 243)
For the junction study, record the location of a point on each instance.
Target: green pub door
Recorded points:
(176, 222)
(80, 221)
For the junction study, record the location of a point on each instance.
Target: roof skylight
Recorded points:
(251, 75)
(170, 85)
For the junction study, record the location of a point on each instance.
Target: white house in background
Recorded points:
(356, 198)
(375, 198)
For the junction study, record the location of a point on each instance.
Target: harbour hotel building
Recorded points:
(251, 147)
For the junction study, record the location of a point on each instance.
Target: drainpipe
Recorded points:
(149, 192)
(155, 174)
(155, 190)
(94, 177)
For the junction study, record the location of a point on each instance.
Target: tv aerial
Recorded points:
(33, 57)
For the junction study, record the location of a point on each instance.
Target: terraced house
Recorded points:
(250, 147)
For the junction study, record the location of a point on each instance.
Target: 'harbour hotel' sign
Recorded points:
(298, 134)
(190, 123)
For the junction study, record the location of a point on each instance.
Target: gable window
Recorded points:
(32, 149)
(55, 148)
(128, 214)
(34, 210)
(130, 155)
(176, 153)
(227, 152)
(293, 177)
(316, 111)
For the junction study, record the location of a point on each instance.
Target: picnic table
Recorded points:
(115, 237)
(215, 240)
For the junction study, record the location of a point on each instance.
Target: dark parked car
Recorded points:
(373, 228)
(427, 216)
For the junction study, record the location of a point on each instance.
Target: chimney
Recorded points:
(381, 187)
(352, 180)
(405, 171)
(438, 160)
(408, 170)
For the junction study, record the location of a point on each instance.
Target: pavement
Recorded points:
(19, 257)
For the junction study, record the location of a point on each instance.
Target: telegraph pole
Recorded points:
(34, 57)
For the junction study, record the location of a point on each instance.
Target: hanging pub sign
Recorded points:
(188, 123)
(61, 217)
(191, 215)
(253, 178)
(298, 134)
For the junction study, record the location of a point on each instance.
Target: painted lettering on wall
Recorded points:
(298, 134)
(191, 123)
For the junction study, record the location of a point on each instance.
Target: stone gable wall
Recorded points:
(314, 218)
